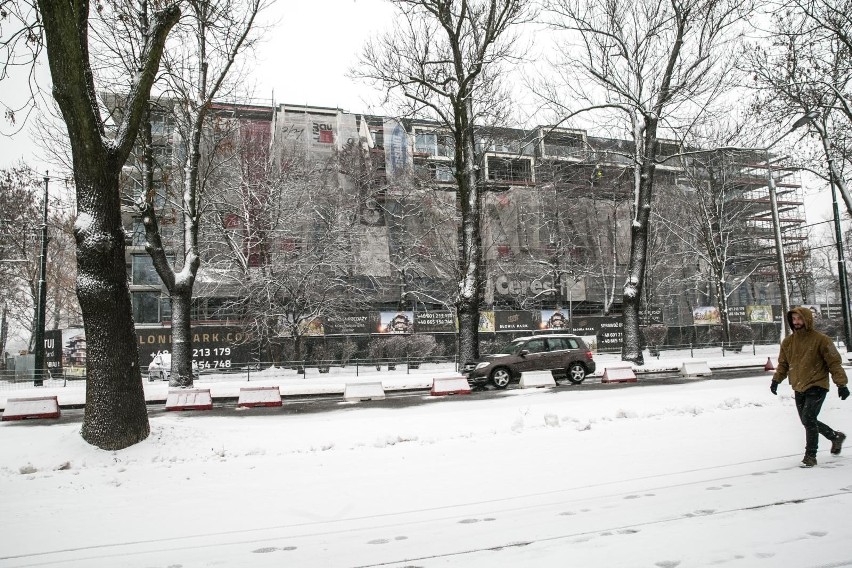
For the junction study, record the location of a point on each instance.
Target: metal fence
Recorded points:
(262, 370)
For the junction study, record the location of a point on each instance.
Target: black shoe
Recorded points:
(837, 443)
(809, 461)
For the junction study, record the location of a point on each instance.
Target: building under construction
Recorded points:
(556, 202)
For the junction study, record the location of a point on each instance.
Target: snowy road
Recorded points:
(698, 474)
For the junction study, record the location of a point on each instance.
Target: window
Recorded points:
(509, 169)
(561, 144)
(426, 143)
(444, 174)
(146, 307)
(143, 271)
(434, 144)
(536, 346)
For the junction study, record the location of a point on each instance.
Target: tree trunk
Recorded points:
(181, 371)
(470, 289)
(115, 416)
(722, 301)
(632, 347)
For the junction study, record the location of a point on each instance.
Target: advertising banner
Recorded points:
(398, 156)
(831, 310)
(554, 319)
(610, 334)
(651, 315)
(53, 350)
(737, 314)
(814, 308)
(350, 324)
(312, 328)
(395, 322)
(706, 315)
(514, 320)
(213, 347)
(486, 322)
(585, 325)
(758, 314)
(434, 322)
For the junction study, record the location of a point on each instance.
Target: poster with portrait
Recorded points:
(554, 319)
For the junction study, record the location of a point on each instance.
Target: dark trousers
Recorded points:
(808, 404)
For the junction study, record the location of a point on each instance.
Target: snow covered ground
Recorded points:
(697, 474)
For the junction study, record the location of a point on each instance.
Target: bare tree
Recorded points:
(804, 68)
(285, 227)
(197, 67)
(443, 59)
(654, 66)
(115, 415)
(714, 221)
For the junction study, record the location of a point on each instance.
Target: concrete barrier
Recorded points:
(364, 391)
(450, 385)
(537, 379)
(619, 373)
(31, 408)
(189, 399)
(251, 397)
(695, 369)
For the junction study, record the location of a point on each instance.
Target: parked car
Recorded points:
(160, 367)
(565, 355)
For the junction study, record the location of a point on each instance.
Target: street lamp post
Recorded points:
(779, 247)
(811, 118)
(841, 266)
(41, 304)
(776, 224)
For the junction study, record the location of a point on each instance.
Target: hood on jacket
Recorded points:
(806, 315)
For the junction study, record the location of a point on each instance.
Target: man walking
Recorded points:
(808, 356)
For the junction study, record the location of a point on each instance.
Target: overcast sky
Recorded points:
(304, 59)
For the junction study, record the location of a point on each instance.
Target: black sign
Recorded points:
(611, 334)
(351, 324)
(53, 350)
(213, 347)
(514, 320)
(585, 325)
(737, 314)
(434, 322)
(831, 310)
(651, 315)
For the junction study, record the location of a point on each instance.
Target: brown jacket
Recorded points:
(808, 356)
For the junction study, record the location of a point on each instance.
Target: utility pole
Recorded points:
(841, 265)
(41, 307)
(779, 247)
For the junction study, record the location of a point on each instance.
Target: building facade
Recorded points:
(360, 211)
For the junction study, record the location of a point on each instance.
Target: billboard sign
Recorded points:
(213, 347)
(434, 322)
(53, 350)
(514, 320)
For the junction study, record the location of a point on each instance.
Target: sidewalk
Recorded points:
(72, 394)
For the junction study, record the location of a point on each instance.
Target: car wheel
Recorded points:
(576, 372)
(500, 377)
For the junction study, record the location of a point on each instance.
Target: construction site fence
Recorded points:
(264, 370)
